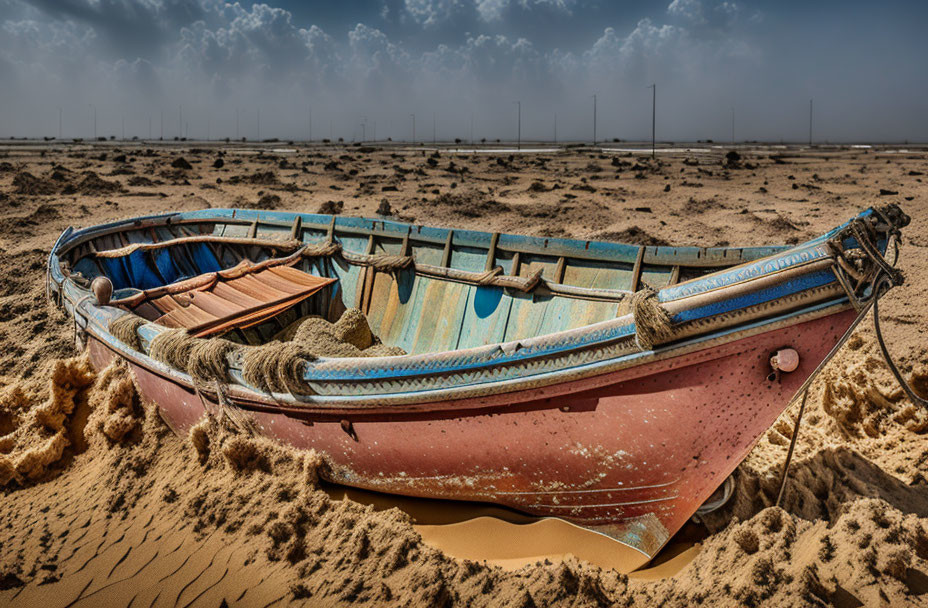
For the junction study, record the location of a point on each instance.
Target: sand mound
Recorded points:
(28, 184)
(115, 410)
(350, 336)
(44, 427)
(42, 422)
(872, 550)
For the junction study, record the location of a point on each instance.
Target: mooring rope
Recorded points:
(878, 285)
(792, 446)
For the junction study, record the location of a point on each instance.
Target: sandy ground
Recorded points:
(106, 507)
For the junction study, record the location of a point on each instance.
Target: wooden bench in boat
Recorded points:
(236, 298)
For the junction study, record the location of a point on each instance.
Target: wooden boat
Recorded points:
(614, 386)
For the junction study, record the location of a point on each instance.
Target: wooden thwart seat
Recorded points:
(239, 297)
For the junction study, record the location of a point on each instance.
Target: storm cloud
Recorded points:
(205, 67)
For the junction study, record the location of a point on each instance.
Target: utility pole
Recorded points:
(123, 137)
(594, 119)
(555, 128)
(162, 124)
(810, 123)
(732, 126)
(149, 127)
(259, 123)
(310, 124)
(364, 129)
(59, 122)
(653, 116)
(413, 116)
(209, 119)
(519, 128)
(434, 136)
(180, 121)
(472, 128)
(236, 123)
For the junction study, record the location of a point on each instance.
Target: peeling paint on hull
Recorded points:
(631, 453)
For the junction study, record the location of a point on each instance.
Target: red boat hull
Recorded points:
(632, 453)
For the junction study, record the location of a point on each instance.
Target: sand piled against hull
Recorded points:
(40, 422)
(860, 437)
(226, 516)
(44, 427)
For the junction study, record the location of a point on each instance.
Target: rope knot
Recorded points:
(652, 322)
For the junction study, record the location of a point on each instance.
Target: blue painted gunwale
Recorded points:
(493, 355)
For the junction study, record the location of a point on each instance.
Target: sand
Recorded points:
(103, 505)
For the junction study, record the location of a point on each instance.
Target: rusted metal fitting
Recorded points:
(784, 360)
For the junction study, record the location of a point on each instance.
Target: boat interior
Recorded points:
(246, 275)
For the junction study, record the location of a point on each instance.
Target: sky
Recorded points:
(464, 68)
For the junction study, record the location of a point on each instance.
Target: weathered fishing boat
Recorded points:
(614, 386)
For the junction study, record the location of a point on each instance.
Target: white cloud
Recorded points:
(433, 12)
(430, 12)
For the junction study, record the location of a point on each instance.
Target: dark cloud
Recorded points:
(456, 58)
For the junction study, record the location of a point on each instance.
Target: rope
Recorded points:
(208, 360)
(379, 261)
(486, 277)
(792, 446)
(126, 329)
(321, 250)
(276, 367)
(878, 284)
(652, 321)
(172, 347)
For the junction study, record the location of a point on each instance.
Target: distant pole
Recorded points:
(162, 124)
(810, 123)
(258, 112)
(434, 132)
(59, 123)
(594, 119)
(653, 117)
(180, 121)
(732, 126)
(471, 128)
(149, 127)
(236, 123)
(519, 128)
(555, 128)
(209, 120)
(364, 129)
(123, 127)
(310, 124)
(413, 116)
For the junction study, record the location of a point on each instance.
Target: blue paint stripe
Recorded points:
(809, 281)
(317, 375)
